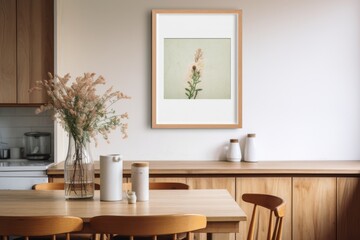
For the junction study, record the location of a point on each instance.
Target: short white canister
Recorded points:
(234, 152)
(111, 175)
(140, 180)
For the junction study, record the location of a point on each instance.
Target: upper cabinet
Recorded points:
(7, 51)
(26, 49)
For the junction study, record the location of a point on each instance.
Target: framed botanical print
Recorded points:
(196, 69)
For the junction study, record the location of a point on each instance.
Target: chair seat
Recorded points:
(158, 226)
(74, 236)
(180, 236)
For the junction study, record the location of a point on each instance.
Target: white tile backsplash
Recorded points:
(14, 122)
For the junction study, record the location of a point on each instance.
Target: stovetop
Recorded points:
(23, 165)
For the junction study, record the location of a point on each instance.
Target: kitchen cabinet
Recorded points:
(27, 49)
(7, 51)
(314, 208)
(227, 183)
(322, 197)
(348, 208)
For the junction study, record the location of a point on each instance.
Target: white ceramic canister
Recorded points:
(131, 196)
(140, 180)
(234, 152)
(250, 150)
(111, 175)
(15, 153)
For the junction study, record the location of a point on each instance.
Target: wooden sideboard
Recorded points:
(323, 197)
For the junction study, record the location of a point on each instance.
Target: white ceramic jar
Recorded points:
(140, 180)
(234, 152)
(250, 150)
(111, 175)
(131, 196)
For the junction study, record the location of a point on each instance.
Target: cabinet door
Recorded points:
(279, 186)
(7, 51)
(214, 183)
(314, 208)
(348, 208)
(35, 47)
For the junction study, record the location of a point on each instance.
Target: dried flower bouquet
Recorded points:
(84, 114)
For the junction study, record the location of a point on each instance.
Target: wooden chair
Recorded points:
(60, 186)
(276, 206)
(55, 186)
(35, 226)
(160, 186)
(147, 226)
(167, 185)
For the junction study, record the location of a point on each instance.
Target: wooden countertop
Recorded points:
(233, 168)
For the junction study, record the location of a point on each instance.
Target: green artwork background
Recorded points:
(178, 58)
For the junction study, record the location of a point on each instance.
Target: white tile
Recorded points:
(30, 111)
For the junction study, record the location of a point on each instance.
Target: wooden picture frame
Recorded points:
(196, 68)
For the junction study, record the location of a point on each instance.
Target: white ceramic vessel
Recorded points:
(250, 149)
(111, 175)
(131, 196)
(140, 180)
(234, 152)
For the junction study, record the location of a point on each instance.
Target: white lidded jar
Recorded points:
(234, 152)
(250, 150)
(111, 174)
(140, 180)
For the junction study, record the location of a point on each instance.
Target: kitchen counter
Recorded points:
(236, 168)
(24, 165)
(299, 183)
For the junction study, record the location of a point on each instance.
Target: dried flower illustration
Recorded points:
(78, 108)
(194, 77)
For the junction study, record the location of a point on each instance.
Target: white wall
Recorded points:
(301, 76)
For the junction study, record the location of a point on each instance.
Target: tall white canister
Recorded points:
(111, 175)
(140, 180)
(250, 149)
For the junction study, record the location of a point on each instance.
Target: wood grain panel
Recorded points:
(214, 183)
(168, 179)
(35, 47)
(198, 168)
(227, 183)
(279, 186)
(348, 208)
(7, 51)
(314, 208)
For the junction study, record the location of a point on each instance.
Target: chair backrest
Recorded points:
(154, 226)
(167, 185)
(276, 206)
(55, 186)
(160, 186)
(32, 226)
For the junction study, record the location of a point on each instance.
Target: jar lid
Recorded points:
(37, 134)
(251, 135)
(234, 140)
(140, 164)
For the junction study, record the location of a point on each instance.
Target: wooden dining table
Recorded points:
(223, 213)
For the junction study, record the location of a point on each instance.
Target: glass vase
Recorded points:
(78, 170)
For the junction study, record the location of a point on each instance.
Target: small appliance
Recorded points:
(37, 145)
